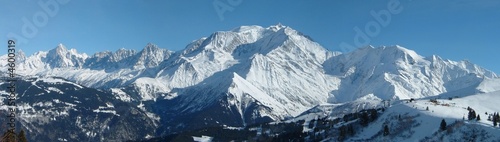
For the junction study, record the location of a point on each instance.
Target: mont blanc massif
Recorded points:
(252, 84)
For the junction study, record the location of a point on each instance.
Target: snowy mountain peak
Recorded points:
(151, 47)
(243, 29)
(60, 50)
(62, 57)
(403, 49)
(277, 27)
(151, 56)
(407, 53)
(61, 46)
(21, 56)
(227, 41)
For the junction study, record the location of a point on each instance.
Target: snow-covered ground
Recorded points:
(411, 121)
(202, 139)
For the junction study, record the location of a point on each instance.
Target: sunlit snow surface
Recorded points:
(425, 123)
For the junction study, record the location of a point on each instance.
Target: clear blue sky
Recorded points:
(453, 29)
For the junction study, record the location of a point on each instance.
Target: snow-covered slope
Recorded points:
(489, 85)
(244, 95)
(410, 121)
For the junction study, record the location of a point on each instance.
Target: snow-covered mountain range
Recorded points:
(253, 74)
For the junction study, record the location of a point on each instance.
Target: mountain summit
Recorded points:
(61, 57)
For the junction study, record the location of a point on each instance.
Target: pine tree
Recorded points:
(386, 130)
(478, 118)
(472, 114)
(427, 108)
(443, 125)
(22, 137)
(495, 119)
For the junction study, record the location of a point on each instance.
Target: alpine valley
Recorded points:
(251, 83)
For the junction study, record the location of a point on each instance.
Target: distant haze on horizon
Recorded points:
(452, 29)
